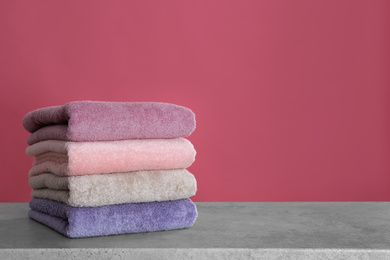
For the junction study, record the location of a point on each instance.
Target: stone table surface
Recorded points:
(223, 230)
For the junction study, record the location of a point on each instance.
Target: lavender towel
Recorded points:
(76, 222)
(109, 121)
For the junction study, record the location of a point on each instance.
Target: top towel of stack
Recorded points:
(109, 121)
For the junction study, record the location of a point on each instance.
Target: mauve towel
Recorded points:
(107, 121)
(106, 189)
(114, 219)
(82, 158)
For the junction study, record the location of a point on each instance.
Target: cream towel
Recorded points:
(115, 188)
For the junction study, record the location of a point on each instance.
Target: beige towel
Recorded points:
(115, 188)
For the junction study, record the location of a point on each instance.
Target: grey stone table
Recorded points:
(224, 230)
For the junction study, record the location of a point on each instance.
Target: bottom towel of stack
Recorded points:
(77, 222)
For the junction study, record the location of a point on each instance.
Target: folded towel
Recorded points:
(116, 188)
(82, 158)
(106, 121)
(114, 219)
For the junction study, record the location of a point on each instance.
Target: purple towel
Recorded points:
(109, 121)
(114, 219)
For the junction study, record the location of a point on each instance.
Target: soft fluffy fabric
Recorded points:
(105, 121)
(114, 219)
(81, 158)
(107, 189)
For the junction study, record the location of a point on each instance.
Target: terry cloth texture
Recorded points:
(81, 158)
(107, 121)
(114, 219)
(107, 189)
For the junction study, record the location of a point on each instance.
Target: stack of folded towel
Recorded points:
(103, 168)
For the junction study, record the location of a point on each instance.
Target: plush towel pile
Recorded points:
(104, 168)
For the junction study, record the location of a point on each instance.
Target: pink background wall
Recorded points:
(292, 97)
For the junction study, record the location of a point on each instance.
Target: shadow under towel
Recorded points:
(99, 120)
(76, 222)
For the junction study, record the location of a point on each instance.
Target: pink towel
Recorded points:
(107, 121)
(83, 158)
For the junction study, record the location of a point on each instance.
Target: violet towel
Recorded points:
(108, 121)
(114, 219)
